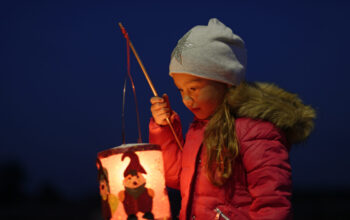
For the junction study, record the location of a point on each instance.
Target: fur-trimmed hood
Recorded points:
(268, 102)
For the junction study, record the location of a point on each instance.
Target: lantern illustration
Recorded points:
(133, 175)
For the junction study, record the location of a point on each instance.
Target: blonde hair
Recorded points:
(221, 142)
(261, 101)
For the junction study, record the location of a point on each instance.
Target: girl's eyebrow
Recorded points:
(193, 80)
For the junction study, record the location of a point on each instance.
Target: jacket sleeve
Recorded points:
(266, 159)
(172, 156)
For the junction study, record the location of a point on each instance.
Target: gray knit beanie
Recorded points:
(212, 52)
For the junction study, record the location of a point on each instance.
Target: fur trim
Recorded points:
(268, 102)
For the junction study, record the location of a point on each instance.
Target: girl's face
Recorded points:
(200, 96)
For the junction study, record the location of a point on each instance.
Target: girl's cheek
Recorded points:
(204, 95)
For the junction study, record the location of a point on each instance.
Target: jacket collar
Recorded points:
(199, 123)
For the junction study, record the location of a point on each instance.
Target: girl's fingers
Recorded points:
(158, 106)
(156, 99)
(158, 114)
(163, 115)
(161, 118)
(160, 109)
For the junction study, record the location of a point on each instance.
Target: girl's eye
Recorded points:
(193, 89)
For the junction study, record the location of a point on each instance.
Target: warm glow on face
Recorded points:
(201, 96)
(153, 181)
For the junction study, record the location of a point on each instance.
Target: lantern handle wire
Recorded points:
(123, 111)
(139, 140)
(148, 80)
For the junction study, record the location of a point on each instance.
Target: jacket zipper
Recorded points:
(220, 214)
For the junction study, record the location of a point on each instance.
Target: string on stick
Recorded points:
(126, 35)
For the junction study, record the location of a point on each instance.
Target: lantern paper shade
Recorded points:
(132, 185)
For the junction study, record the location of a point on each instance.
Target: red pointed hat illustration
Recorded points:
(134, 165)
(136, 197)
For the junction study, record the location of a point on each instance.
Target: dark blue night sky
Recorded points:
(63, 64)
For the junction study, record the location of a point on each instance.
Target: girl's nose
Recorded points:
(187, 100)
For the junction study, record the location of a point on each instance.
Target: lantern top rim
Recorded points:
(133, 147)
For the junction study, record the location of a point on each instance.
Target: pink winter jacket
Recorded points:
(268, 120)
(260, 187)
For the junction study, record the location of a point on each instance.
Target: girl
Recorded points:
(234, 163)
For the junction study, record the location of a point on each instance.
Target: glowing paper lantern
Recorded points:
(132, 184)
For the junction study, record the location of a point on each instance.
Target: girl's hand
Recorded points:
(160, 109)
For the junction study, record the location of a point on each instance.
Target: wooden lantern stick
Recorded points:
(148, 80)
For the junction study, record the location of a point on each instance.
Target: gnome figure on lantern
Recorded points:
(136, 197)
